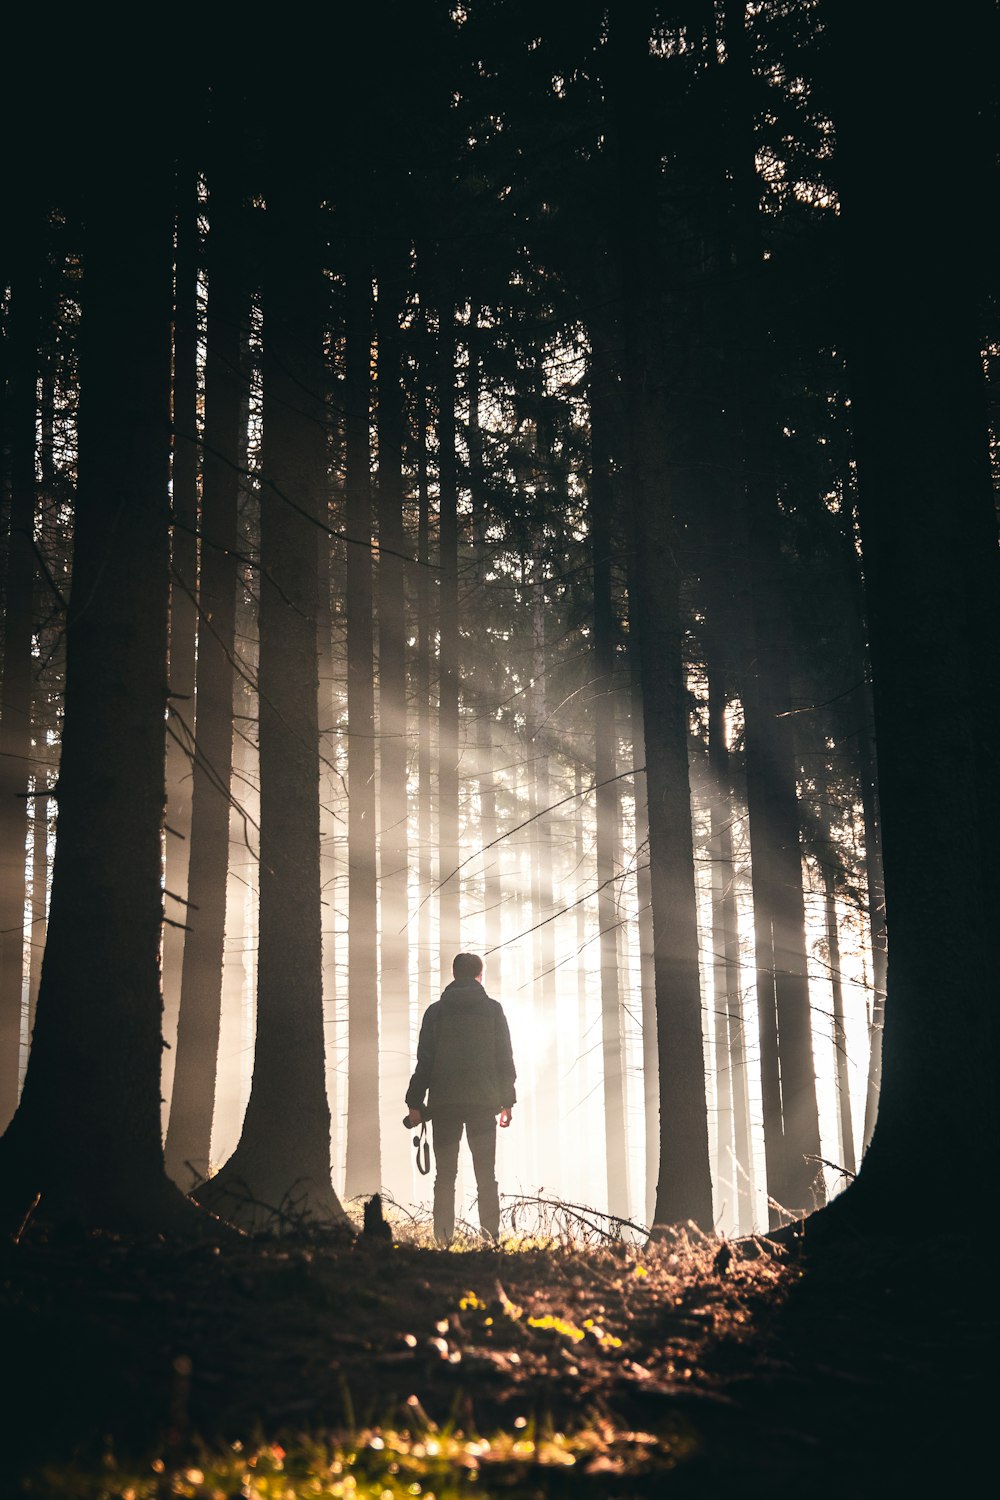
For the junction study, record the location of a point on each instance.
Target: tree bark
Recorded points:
(183, 598)
(282, 1163)
(684, 1188)
(543, 894)
(582, 1183)
(330, 708)
(720, 813)
(450, 668)
(929, 535)
(791, 1115)
(860, 725)
(86, 1136)
(876, 908)
(485, 698)
(848, 1158)
(393, 743)
(606, 795)
(719, 631)
(647, 976)
(39, 899)
(43, 717)
(237, 1024)
(189, 1133)
(15, 683)
(425, 863)
(364, 1151)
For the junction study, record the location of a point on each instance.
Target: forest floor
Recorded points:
(313, 1365)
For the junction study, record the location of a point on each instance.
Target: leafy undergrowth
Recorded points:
(311, 1365)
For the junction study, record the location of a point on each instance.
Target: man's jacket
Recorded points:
(464, 1055)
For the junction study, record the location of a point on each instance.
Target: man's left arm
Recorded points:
(506, 1072)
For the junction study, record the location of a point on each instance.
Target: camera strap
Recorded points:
(423, 1150)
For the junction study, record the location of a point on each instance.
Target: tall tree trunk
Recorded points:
(236, 1028)
(684, 1188)
(767, 1015)
(488, 827)
(283, 1159)
(606, 796)
(738, 1056)
(929, 534)
(86, 1136)
(485, 698)
(647, 973)
(42, 718)
(578, 1073)
(529, 856)
(183, 596)
(330, 708)
(39, 898)
(861, 726)
(425, 865)
(448, 733)
(393, 744)
(791, 1115)
(545, 919)
(239, 977)
(364, 1152)
(720, 812)
(848, 1158)
(876, 908)
(726, 949)
(15, 685)
(189, 1133)
(791, 1119)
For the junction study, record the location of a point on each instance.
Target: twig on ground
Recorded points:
(27, 1217)
(581, 1212)
(833, 1165)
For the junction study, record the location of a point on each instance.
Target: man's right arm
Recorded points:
(425, 1060)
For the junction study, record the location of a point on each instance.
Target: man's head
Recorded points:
(467, 966)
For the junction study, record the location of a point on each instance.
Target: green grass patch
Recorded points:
(383, 1463)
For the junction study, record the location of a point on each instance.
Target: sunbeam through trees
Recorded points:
(528, 493)
(499, 552)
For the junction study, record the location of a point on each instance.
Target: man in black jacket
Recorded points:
(466, 1068)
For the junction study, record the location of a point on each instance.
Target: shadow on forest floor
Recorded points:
(325, 1366)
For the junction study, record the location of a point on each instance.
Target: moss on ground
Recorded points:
(322, 1365)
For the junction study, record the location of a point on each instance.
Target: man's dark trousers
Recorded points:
(481, 1128)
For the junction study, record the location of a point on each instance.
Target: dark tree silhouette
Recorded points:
(929, 532)
(684, 1188)
(393, 747)
(192, 1106)
(605, 772)
(183, 589)
(23, 337)
(449, 648)
(282, 1162)
(86, 1136)
(619, 379)
(364, 1154)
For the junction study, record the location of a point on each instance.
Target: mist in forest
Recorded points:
(542, 944)
(486, 481)
(495, 490)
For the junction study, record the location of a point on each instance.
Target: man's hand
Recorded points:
(505, 1115)
(414, 1118)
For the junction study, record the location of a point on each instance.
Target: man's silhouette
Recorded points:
(466, 1068)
